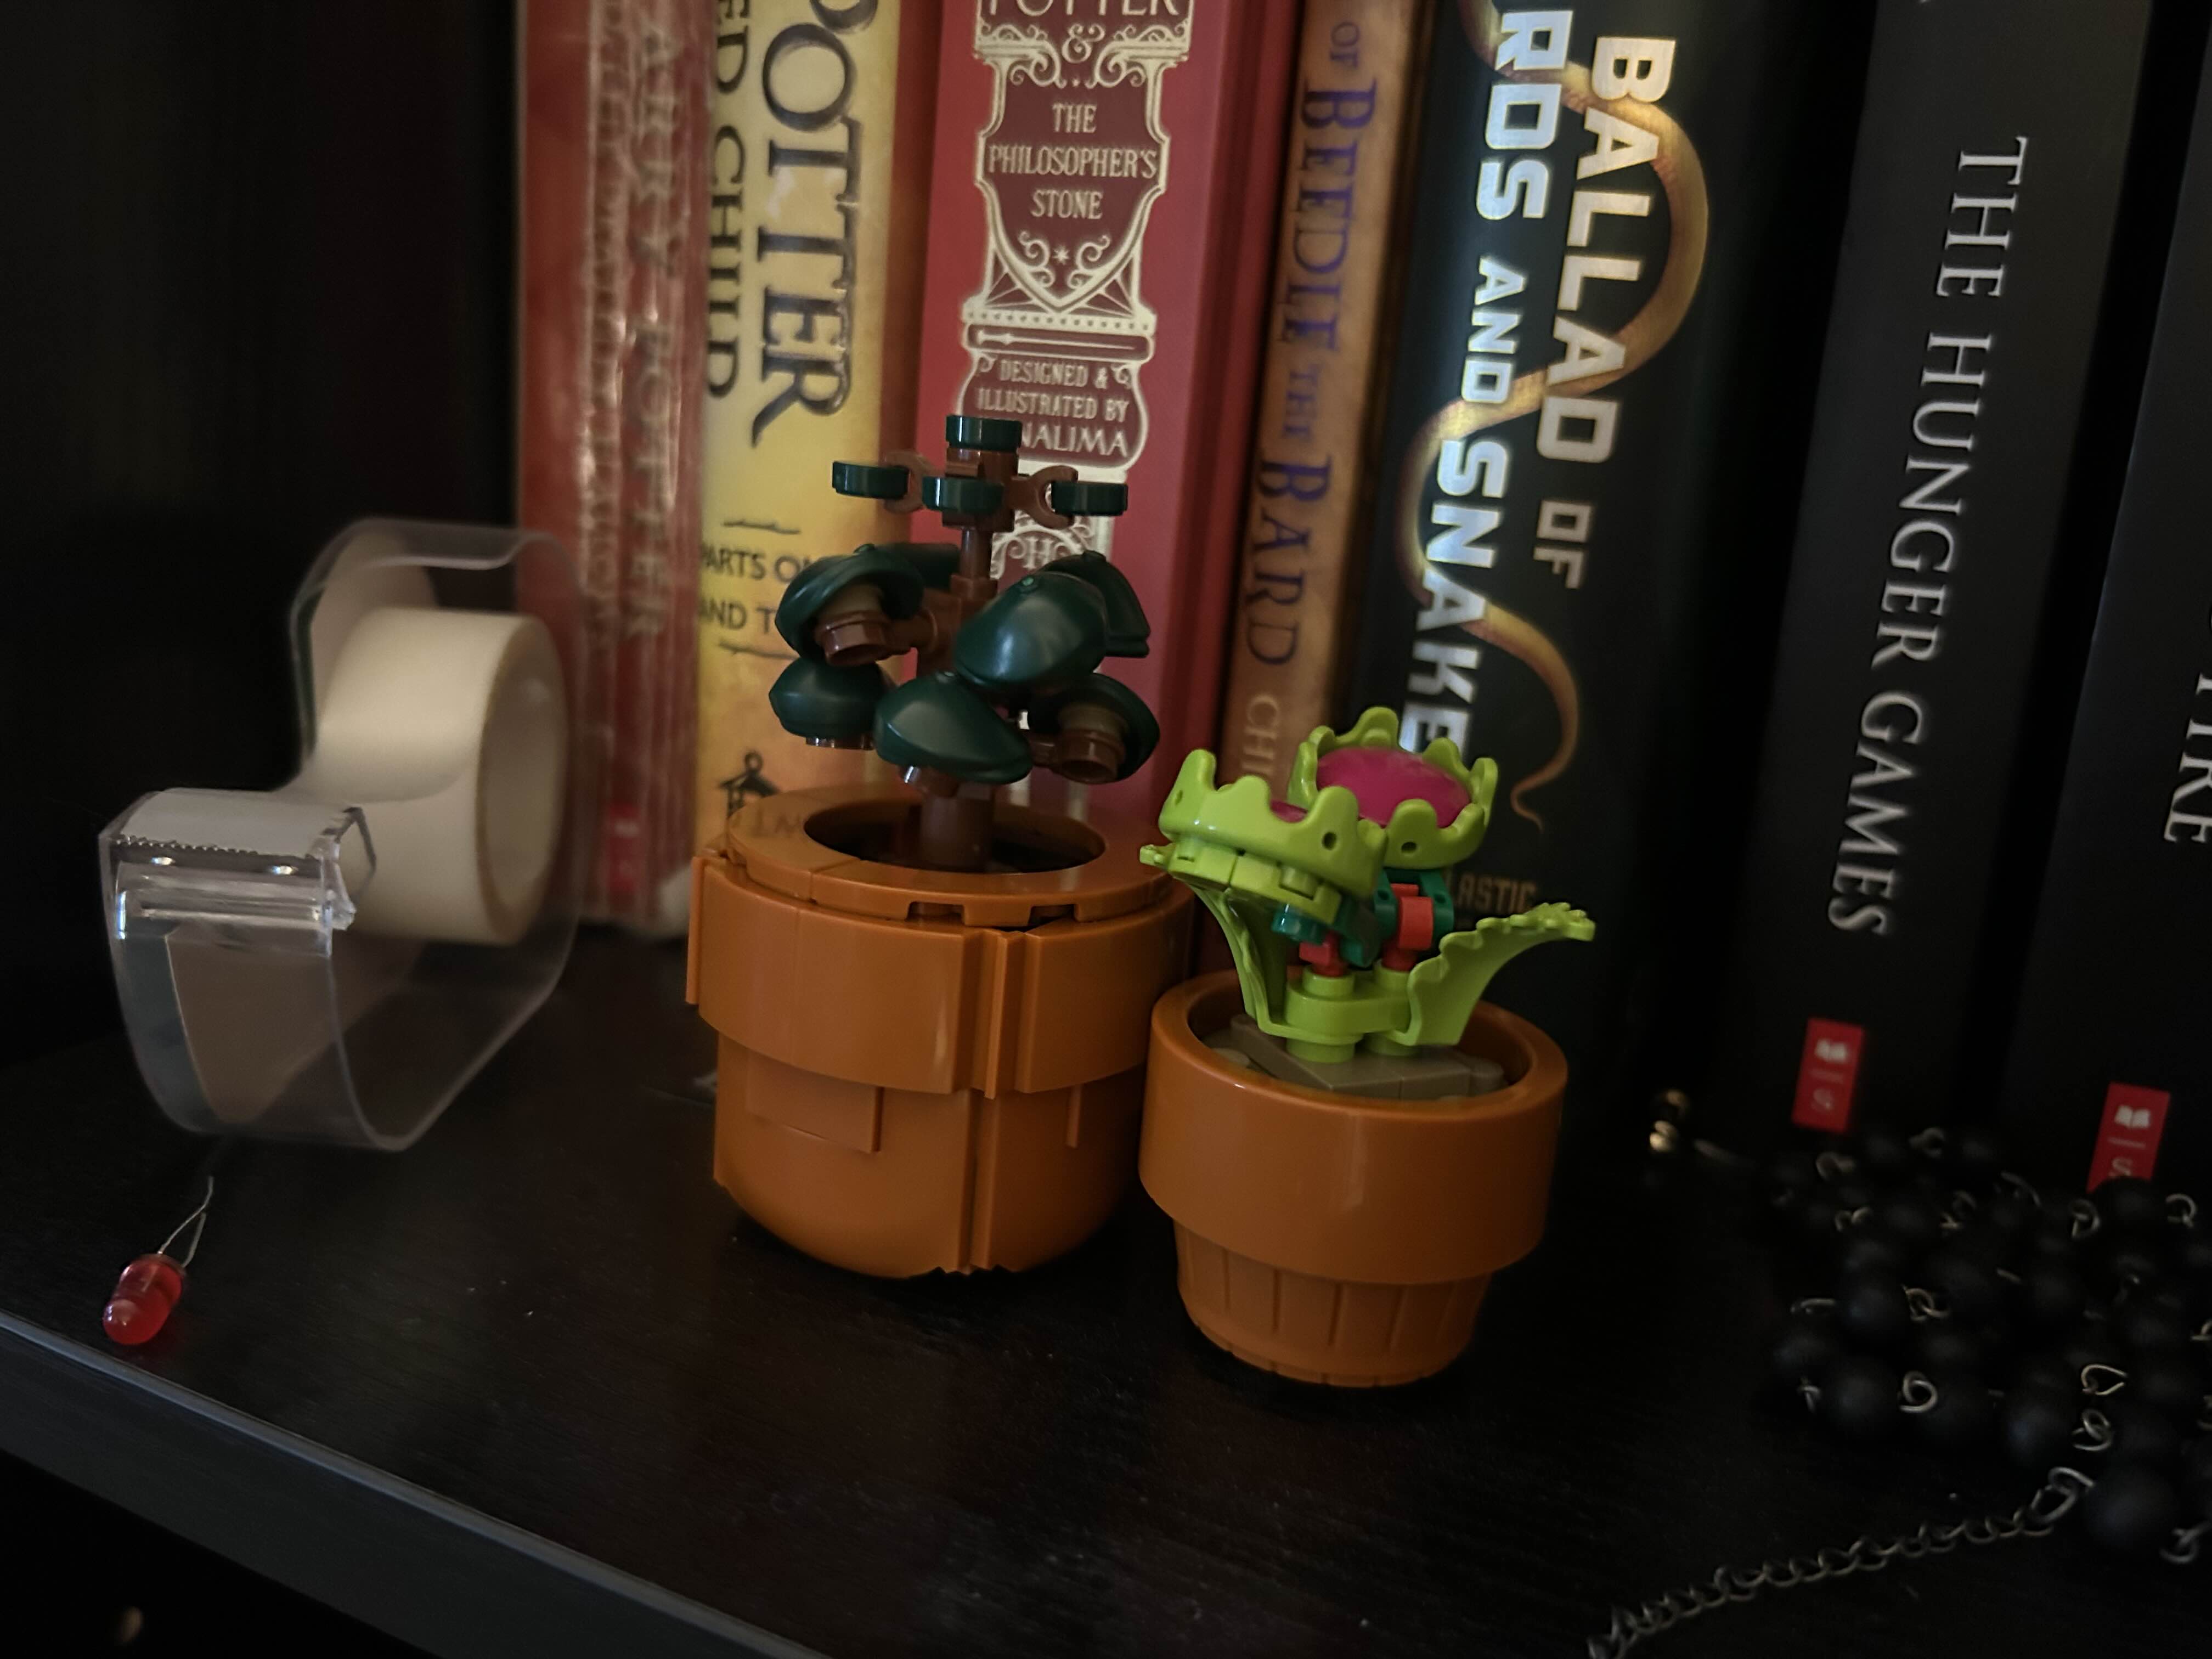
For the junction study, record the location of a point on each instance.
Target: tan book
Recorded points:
(818, 155)
(1293, 632)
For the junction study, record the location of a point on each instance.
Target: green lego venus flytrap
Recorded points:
(1349, 1141)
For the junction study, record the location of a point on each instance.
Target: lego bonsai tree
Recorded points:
(1004, 681)
(1335, 904)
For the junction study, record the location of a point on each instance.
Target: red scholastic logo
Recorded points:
(2127, 1141)
(1827, 1073)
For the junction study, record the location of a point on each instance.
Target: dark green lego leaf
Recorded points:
(809, 699)
(1046, 631)
(937, 722)
(935, 562)
(880, 483)
(983, 432)
(1087, 498)
(1140, 732)
(1128, 633)
(974, 497)
(893, 577)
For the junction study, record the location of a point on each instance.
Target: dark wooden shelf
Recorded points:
(534, 1387)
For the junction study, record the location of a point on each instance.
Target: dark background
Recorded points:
(257, 266)
(257, 260)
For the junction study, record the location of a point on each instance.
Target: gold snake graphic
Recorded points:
(1683, 181)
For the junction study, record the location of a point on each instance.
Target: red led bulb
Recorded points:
(148, 1289)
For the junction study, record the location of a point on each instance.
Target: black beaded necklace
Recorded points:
(1948, 1299)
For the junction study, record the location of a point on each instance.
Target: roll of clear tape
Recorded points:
(333, 961)
(449, 730)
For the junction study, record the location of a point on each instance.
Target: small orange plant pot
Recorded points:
(925, 1069)
(1333, 1238)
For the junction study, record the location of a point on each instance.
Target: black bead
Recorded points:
(1914, 1219)
(2168, 1292)
(1962, 1417)
(2052, 1241)
(2050, 1295)
(1859, 1399)
(1945, 1344)
(1972, 1157)
(1816, 1222)
(2009, 1215)
(1851, 1194)
(2196, 1475)
(1883, 1155)
(2091, 1344)
(1978, 1242)
(2167, 1382)
(2038, 1425)
(2048, 1371)
(2146, 1327)
(1870, 1250)
(1872, 1309)
(2192, 1259)
(1804, 1345)
(1790, 1171)
(2129, 1204)
(2130, 1511)
(2129, 1262)
(1975, 1293)
(2140, 1433)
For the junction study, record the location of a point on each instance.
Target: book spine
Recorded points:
(613, 302)
(1604, 199)
(1351, 116)
(1991, 157)
(2108, 1072)
(812, 163)
(648, 826)
(564, 425)
(1099, 233)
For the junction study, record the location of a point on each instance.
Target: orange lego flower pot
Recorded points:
(923, 1069)
(1336, 1239)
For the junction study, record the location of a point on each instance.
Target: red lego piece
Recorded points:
(1417, 928)
(1326, 958)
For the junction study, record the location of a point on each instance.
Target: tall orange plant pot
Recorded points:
(925, 1069)
(1336, 1239)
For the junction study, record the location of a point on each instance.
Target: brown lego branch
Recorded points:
(1088, 748)
(853, 633)
(953, 826)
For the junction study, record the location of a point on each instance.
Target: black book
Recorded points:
(1993, 151)
(2110, 1072)
(1625, 216)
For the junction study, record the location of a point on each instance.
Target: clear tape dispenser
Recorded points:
(334, 959)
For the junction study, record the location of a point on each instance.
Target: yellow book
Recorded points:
(818, 168)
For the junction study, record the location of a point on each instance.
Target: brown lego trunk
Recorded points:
(1333, 1238)
(925, 1069)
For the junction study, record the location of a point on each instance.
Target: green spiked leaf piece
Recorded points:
(1140, 732)
(1044, 633)
(895, 580)
(822, 704)
(1128, 633)
(1232, 836)
(879, 483)
(1087, 498)
(983, 432)
(976, 498)
(939, 723)
(1443, 991)
(1415, 839)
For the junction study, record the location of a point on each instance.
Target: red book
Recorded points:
(613, 310)
(1101, 228)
